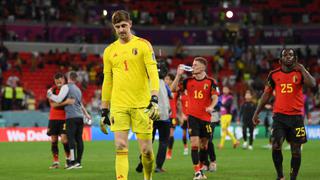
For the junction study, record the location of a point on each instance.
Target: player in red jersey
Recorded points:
(287, 83)
(202, 97)
(184, 120)
(173, 116)
(57, 124)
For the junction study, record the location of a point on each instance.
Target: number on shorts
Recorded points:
(209, 129)
(300, 132)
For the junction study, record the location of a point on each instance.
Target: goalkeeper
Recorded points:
(130, 94)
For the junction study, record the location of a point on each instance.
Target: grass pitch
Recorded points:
(31, 161)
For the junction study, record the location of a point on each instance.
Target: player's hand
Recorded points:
(88, 120)
(180, 71)
(49, 93)
(255, 120)
(209, 109)
(104, 121)
(153, 108)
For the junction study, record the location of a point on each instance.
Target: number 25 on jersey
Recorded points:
(286, 88)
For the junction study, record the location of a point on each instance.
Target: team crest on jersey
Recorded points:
(205, 86)
(134, 51)
(295, 79)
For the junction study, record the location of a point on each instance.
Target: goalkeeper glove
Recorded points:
(153, 108)
(104, 121)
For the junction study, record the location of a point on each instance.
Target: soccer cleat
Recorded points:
(55, 165)
(197, 176)
(67, 164)
(77, 166)
(213, 167)
(159, 170)
(245, 145)
(74, 166)
(250, 147)
(139, 168)
(236, 144)
(185, 151)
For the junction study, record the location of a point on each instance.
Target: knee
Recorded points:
(295, 150)
(121, 145)
(146, 151)
(55, 143)
(277, 143)
(54, 139)
(203, 146)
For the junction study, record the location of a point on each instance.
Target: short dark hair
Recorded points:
(288, 49)
(171, 76)
(202, 60)
(73, 75)
(58, 75)
(120, 15)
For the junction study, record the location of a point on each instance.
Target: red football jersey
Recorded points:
(288, 91)
(56, 113)
(199, 96)
(173, 105)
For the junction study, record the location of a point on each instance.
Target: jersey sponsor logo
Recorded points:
(134, 51)
(115, 55)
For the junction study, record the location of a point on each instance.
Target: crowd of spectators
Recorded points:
(237, 66)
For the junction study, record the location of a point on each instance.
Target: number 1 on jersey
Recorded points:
(125, 65)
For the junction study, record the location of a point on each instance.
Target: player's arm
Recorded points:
(85, 112)
(175, 83)
(170, 94)
(106, 90)
(61, 96)
(214, 97)
(267, 94)
(64, 103)
(307, 78)
(152, 71)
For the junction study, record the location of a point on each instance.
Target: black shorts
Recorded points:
(56, 127)
(198, 127)
(289, 127)
(184, 125)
